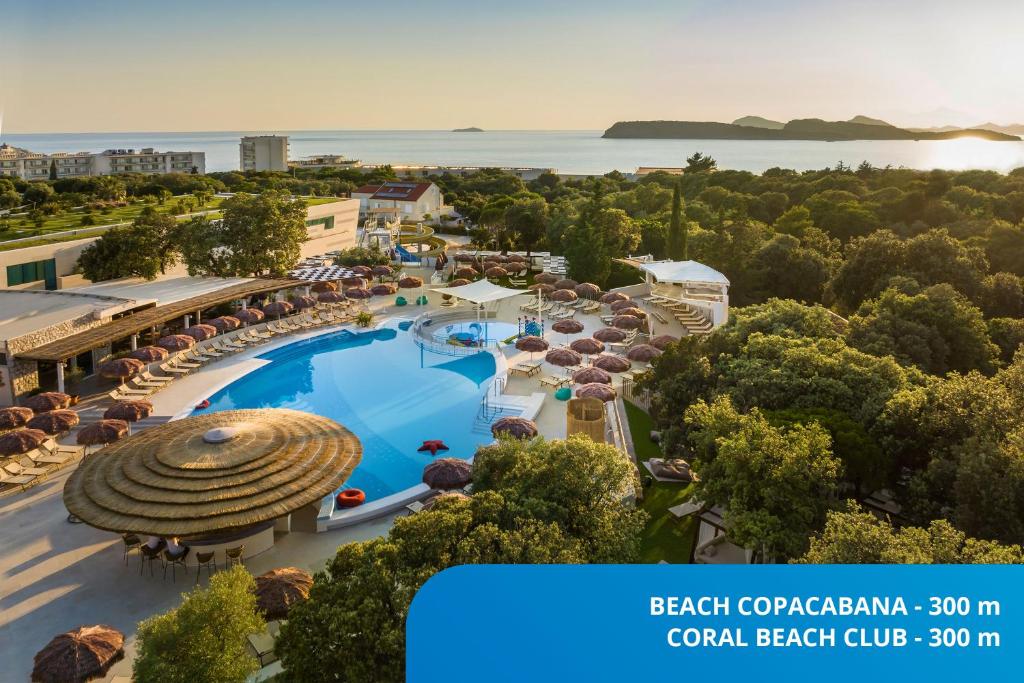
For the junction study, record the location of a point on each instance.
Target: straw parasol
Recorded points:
(445, 495)
(463, 256)
(499, 258)
(358, 293)
(532, 344)
(13, 417)
(598, 391)
(627, 322)
(149, 354)
(458, 282)
(566, 283)
(303, 302)
(226, 323)
(121, 368)
(200, 332)
(353, 281)
(612, 363)
(496, 271)
(129, 411)
(546, 278)
(567, 326)
(384, 289)
(591, 376)
(466, 272)
(515, 267)
(80, 655)
(54, 421)
(612, 297)
(643, 352)
(563, 295)
(48, 400)
(410, 282)
(324, 286)
(609, 335)
(663, 341)
(250, 316)
(278, 308)
(364, 271)
(213, 472)
(102, 432)
(587, 345)
(330, 297)
(564, 358)
(622, 304)
(382, 271)
(176, 342)
(517, 427)
(516, 258)
(587, 290)
(21, 441)
(635, 312)
(279, 589)
(542, 287)
(448, 473)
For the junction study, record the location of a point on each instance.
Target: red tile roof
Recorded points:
(398, 191)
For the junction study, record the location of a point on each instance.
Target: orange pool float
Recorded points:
(350, 498)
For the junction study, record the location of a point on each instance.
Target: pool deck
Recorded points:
(55, 576)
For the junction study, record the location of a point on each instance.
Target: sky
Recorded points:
(142, 65)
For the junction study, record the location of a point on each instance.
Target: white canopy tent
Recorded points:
(684, 272)
(481, 292)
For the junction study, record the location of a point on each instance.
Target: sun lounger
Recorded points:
(51, 446)
(18, 480)
(137, 383)
(18, 470)
(207, 351)
(181, 362)
(414, 507)
(234, 343)
(526, 369)
(149, 376)
(554, 381)
(167, 367)
(129, 391)
(39, 457)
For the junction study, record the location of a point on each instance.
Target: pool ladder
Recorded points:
(488, 411)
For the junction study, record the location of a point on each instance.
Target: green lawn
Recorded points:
(665, 537)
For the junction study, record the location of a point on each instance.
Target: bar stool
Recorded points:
(174, 561)
(208, 560)
(131, 542)
(150, 555)
(233, 556)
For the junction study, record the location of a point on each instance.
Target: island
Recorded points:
(860, 128)
(471, 129)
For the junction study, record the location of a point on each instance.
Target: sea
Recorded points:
(569, 152)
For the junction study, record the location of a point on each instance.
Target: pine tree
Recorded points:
(678, 246)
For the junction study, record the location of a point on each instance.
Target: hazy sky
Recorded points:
(140, 65)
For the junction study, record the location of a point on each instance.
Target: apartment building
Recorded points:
(263, 153)
(21, 163)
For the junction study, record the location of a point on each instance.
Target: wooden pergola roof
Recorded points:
(101, 335)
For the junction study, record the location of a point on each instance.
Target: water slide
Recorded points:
(435, 246)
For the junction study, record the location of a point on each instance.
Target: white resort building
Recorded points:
(413, 201)
(27, 165)
(263, 153)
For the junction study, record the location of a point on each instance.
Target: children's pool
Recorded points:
(391, 393)
(471, 332)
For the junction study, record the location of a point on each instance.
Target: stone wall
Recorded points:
(24, 374)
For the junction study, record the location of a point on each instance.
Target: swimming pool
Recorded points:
(470, 331)
(391, 393)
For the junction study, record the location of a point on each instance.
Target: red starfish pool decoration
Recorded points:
(433, 445)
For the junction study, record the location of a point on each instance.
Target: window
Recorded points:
(34, 271)
(326, 221)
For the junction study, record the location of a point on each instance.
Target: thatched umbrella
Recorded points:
(129, 411)
(362, 271)
(542, 287)
(612, 297)
(463, 256)
(517, 427)
(546, 278)
(516, 258)
(384, 289)
(458, 282)
(382, 271)
(101, 433)
(410, 282)
(200, 332)
(612, 363)
(80, 655)
(226, 323)
(563, 295)
(496, 271)
(643, 352)
(358, 293)
(279, 589)
(567, 327)
(514, 267)
(627, 322)
(121, 368)
(490, 263)
(598, 391)
(251, 316)
(532, 344)
(566, 283)
(212, 472)
(353, 281)
(21, 441)
(591, 376)
(587, 345)
(445, 495)
(324, 286)
(635, 312)
(663, 341)
(55, 421)
(176, 342)
(622, 304)
(609, 335)
(303, 302)
(330, 297)
(466, 272)
(278, 308)
(48, 400)
(149, 354)
(498, 258)
(13, 417)
(448, 473)
(564, 358)
(587, 290)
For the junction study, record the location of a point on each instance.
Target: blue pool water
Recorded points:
(489, 330)
(392, 394)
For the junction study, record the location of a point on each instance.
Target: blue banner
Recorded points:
(718, 623)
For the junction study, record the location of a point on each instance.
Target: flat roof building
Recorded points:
(21, 163)
(263, 153)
